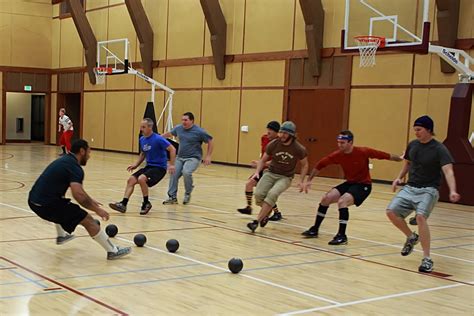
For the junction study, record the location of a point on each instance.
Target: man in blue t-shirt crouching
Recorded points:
(153, 148)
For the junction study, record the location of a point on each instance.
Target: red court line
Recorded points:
(343, 255)
(64, 286)
(53, 289)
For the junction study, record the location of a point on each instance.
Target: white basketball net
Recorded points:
(368, 46)
(100, 74)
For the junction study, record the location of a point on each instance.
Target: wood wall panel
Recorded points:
(389, 70)
(265, 73)
(233, 74)
(185, 35)
(118, 121)
(184, 77)
(157, 13)
(220, 117)
(71, 50)
(94, 119)
(379, 119)
(187, 101)
(121, 26)
(5, 35)
(258, 107)
(268, 25)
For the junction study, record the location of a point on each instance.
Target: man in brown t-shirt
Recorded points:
(285, 151)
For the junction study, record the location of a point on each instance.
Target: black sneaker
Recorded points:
(246, 210)
(264, 221)
(338, 240)
(118, 206)
(410, 244)
(252, 226)
(426, 265)
(146, 207)
(310, 233)
(64, 239)
(276, 216)
(412, 221)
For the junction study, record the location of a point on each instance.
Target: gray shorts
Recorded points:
(409, 199)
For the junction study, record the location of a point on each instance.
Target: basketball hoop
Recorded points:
(368, 46)
(100, 73)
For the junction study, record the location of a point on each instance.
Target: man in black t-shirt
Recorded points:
(47, 200)
(425, 159)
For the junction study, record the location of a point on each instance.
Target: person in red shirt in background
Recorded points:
(355, 164)
(273, 128)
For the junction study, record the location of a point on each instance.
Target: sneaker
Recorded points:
(118, 206)
(252, 226)
(146, 207)
(246, 210)
(121, 251)
(412, 221)
(276, 216)
(338, 240)
(170, 201)
(310, 233)
(426, 265)
(62, 240)
(410, 244)
(264, 221)
(187, 199)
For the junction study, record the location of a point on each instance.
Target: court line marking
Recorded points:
(242, 275)
(351, 236)
(298, 244)
(66, 287)
(373, 299)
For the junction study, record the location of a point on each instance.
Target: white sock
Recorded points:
(104, 241)
(60, 230)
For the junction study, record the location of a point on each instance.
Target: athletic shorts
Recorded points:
(409, 199)
(153, 174)
(359, 191)
(62, 212)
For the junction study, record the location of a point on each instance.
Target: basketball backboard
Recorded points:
(113, 56)
(403, 23)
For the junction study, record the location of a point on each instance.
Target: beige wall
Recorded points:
(25, 33)
(18, 106)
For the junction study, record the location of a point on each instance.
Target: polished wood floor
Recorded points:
(283, 273)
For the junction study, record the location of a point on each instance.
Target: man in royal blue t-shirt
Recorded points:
(153, 148)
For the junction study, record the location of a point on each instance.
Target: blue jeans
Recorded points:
(184, 167)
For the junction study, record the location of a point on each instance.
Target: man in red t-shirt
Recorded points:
(355, 163)
(273, 128)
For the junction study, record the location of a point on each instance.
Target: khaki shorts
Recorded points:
(409, 199)
(269, 188)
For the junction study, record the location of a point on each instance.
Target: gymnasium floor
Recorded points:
(283, 273)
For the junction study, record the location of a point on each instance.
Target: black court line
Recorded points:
(66, 287)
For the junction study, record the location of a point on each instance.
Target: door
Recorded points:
(319, 117)
(37, 118)
(72, 103)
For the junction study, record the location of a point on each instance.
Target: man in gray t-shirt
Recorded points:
(189, 156)
(425, 160)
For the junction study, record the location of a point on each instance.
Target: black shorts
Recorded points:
(359, 191)
(153, 174)
(63, 212)
(260, 175)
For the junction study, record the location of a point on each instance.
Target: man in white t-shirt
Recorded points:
(65, 126)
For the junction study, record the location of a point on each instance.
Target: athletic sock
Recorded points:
(145, 199)
(275, 209)
(104, 241)
(248, 196)
(60, 230)
(64, 149)
(343, 220)
(125, 201)
(320, 216)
